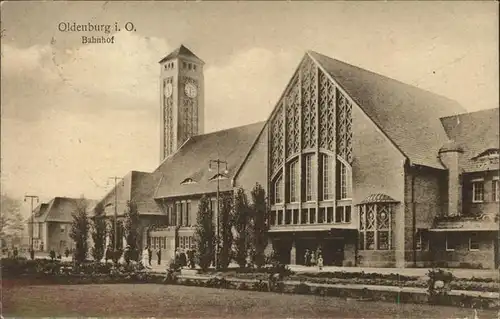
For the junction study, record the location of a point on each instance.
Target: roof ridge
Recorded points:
(385, 76)
(468, 113)
(228, 129)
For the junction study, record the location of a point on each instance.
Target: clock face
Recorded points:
(190, 90)
(168, 90)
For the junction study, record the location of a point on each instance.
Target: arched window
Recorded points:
(327, 177)
(310, 175)
(294, 181)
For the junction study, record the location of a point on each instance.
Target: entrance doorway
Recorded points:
(333, 251)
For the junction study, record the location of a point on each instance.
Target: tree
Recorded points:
(80, 230)
(241, 219)
(225, 230)
(131, 227)
(204, 234)
(11, 220)
(98, 232)
(259, 224)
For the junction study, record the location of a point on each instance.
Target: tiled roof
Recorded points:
(409, 116)
(40, 212)
(181, 51)
(191, 161)
(136, 186)
(475, 132)
(60, 209)
(378, 198)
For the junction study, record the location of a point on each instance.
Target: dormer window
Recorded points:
(218, 176)
(188, 181)
(489, 154)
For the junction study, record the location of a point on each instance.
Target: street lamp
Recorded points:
(217, 162)
(32, 197)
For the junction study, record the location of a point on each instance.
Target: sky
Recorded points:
(73, 114)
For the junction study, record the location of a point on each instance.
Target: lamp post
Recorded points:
(32, 197)
(217, 162)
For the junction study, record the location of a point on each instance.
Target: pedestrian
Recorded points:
(150, 255)
(145, 257)
(313, 259)
(158, 254)
(320, 262)
(307, 258)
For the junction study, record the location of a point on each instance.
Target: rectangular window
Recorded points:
(329, 215)
(295, 216)
(312, 216)
(294, 183)
(321, 215)
(278, 190)
(273, 218)
(327, 178)
(383, 240)
(451, 242)
(303, 217)
(473, 242)
(495, 190)
(339, 212)
(280, 217)
(177, 213)
(188, 212)
(288, 217)
(181, 214)
(347, 214)
(63, 228)
(477, 191)
(370, 240)
(362, 241)
(310, 180)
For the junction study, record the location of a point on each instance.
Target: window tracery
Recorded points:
(277, 140)
(326, 108)
(292, 119)
(309, 97)
(375, 226)
(344, 127)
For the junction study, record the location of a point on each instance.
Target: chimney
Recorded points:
(449, 155)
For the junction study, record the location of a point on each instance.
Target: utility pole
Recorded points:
(218, 162)
(31, 198)
(115, 241)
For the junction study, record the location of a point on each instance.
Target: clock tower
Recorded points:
(182, 99)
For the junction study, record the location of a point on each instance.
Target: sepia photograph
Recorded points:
(248, 159)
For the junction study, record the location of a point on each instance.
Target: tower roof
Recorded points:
(181, 51)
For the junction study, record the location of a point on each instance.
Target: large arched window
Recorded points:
(310, 177)
(294, 181)
(327, 177)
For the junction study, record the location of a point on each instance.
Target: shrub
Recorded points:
(260, 286)
(217, 282)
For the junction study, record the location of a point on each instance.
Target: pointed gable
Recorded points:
(409, 116)
(181, 51)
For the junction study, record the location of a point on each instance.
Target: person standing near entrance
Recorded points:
(158, 254)
(307, 258)
(145, 257)
(320, 261)
(150, 255)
